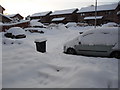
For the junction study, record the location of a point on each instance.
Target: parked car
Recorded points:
(96, 42)
(34, 30)
(36, 24)
(15, 32)
(71, 24)
(110, 24)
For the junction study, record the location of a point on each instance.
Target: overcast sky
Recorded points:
(28, 7)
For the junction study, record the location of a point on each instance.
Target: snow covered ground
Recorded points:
(24, 67)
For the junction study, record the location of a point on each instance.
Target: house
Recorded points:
(8, 21)
(42, 16)
(64, 16)
(15, 17)
(1, 9)
(3, 18)
(105, 13)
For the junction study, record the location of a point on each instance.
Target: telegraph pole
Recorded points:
(95, 13)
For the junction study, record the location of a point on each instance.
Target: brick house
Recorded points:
(105, 13)
(7, 21)
(3, 18)
(15, 17)
(64, 16)
(42, 16)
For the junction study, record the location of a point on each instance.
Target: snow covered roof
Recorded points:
(5, 16)
(58, 19)
(13, 15)
(93, 17)
(67, 11)
(99, 8)
(35, 20)
(40, 14)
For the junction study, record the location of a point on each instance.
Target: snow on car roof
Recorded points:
(67, 11)
(111, 30)
(110, 24)
(35, 23)
(16, 31)
(100, 36)
(99, 8)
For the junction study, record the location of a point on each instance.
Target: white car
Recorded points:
(15, 32)
(96, 42)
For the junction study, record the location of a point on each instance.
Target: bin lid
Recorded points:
(40, 40)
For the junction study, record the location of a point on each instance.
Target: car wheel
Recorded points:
(116, 55)
(71, 51)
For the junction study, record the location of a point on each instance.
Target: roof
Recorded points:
(99, 8)
(93, 17)
(40, 14)
(5, 16)
(13, 15)
(58, 19)
(2, 7)
(35, 20)
(67, 11)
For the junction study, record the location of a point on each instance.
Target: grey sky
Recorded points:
(28, 7)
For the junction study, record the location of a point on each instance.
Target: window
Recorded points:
(108, 12)
(82, 14)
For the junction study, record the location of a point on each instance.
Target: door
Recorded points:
(95, 50)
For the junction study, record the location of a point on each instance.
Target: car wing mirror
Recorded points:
(79, 42)
(80, 32)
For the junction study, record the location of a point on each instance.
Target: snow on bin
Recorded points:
(41, 45)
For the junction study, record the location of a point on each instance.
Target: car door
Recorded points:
(95, 50)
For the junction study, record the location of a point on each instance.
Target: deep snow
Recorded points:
(24, 67)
